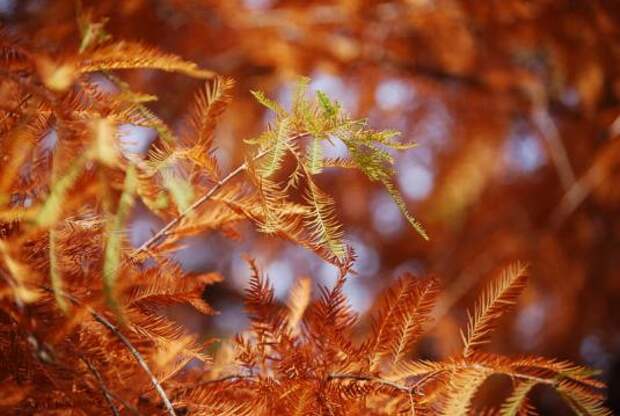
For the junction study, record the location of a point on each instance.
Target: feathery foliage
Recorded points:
(85, 318)
(336, 375)
(497, 299)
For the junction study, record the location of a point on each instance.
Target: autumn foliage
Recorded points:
(94, 313)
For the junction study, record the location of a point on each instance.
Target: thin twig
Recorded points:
(409, 390)
(220, 380)
(40, 352)
(414, 388)
(138, 357)
(575, 196)
(355, 377)
(160, 390)
(125, 404)
(559, 156)
(599, 171)
(226, 378)
(372, 379)
(102, 386)
(162, 233)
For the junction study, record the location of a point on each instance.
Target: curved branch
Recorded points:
(163, 233)
(104, 389)
(160, 390)
(136, 354)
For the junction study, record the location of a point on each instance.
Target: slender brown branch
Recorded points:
(227, 378)
(544, 123)
(516, 375)
(163, 233)
(372, 379)
(599, 171)
(220, 380)
(104, 389)
(136, 354)
(354, 377)
(160, 390)
(414, 388)
(126, 405)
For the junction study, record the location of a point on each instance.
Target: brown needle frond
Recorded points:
(500, 295)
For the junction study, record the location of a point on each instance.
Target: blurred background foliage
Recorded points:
(514, 104)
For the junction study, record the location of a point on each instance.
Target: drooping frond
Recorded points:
(105, 147)
(561, 377)
(52, 207)
(272, 199)
(295, 177)
(269, 103)
(276, 215)
(331, 318)
(416, 368)
(299, 300)
(318, 229)
(517, 403)
(178, 187)
(321, 221)
(398, 200)
(413, 319)
(124, 106)
(377, 164)
(55, 274)
(500, 295)
(276, 146)
(315, 155)
(172, 356)
(114, 244)
(462, 388)
(564, 369)
(259, 299)
(166, 287)
(128, 55)
(403, 313)
(162, 155)
(209, 104)
(164, 332)
(229, 207)
(583, 400)
(323, 120)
